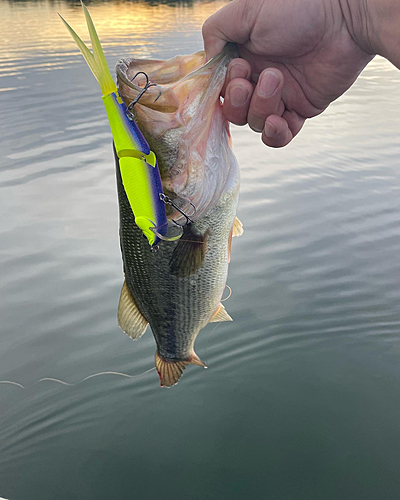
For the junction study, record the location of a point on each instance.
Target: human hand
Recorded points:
(296, 57)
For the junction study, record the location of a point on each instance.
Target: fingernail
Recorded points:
(238, 95)
(237, 71)
(268, 85)
(269, 130)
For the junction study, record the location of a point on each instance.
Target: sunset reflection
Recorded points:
(134, 25)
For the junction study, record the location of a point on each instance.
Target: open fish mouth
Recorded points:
(174, 78)
(182, 120)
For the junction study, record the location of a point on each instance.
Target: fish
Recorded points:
(176, 287)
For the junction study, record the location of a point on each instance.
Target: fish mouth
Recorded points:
(165, 75)
(181, 118)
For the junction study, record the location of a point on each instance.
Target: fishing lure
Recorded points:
(138, 164)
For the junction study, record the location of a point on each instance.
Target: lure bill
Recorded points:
(138, 164)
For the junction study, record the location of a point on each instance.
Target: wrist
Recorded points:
(373, 26)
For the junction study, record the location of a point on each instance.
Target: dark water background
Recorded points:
(301, 400)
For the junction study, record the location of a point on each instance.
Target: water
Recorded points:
(301, 398)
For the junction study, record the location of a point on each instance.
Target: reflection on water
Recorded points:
(131, 24)
(301, 396)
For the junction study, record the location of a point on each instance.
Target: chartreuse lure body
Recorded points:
(138, 164)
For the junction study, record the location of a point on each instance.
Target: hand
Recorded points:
(296, 57)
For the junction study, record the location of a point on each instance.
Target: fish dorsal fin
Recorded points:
(130, 319)
(170, 371)
(189, 253)
(237, 228)
(220, 315)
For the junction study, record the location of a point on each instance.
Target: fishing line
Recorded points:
(208, 338)
(190, 241)
(217, 325)
(62, 382)
(230, 293)
(12, 383)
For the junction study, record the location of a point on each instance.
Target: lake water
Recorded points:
(301, 400)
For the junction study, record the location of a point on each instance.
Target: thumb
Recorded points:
(229, 24)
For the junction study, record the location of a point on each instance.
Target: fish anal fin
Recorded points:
(220, 315)
(237, 228)
(130, 319)
(189, 253)
(170, 371)
(195, 360)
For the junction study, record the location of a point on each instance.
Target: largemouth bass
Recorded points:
(177, 289)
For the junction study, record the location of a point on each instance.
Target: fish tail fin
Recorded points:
(96, 60)
(171, 371)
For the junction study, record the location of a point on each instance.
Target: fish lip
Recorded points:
(121, 69)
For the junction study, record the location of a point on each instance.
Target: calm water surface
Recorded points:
(301, 400)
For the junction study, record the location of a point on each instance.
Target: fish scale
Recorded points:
(177, 308)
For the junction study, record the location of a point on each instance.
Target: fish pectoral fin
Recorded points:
(170, 371)
(220, 315)
(130, 319)
(237, 228)
(189, 253)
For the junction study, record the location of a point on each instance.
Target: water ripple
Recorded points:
(315, 338)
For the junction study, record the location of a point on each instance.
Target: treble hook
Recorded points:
(146, 87)
(167, 200)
